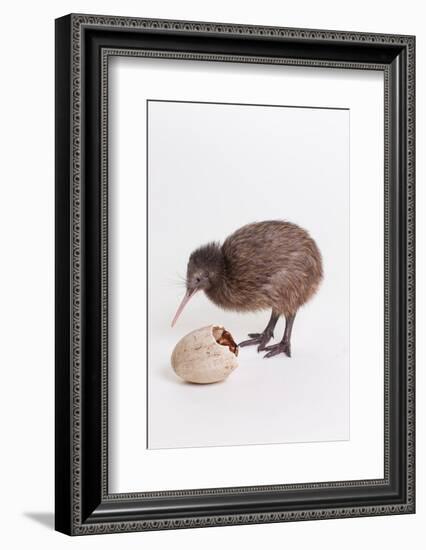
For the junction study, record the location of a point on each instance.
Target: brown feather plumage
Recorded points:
(270, 264)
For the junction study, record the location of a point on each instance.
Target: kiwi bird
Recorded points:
(264, 265)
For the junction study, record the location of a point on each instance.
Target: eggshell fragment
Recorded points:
(199, 357)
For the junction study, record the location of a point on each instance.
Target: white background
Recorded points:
(212, 169)
(26, 220)
(362, 456)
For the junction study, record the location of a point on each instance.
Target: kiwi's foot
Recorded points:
(260, 339)
(276, 349)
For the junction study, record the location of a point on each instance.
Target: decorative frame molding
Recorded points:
(83, 47)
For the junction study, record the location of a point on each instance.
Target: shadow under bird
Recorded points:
(264, 265)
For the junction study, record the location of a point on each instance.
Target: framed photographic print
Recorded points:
(234, 274)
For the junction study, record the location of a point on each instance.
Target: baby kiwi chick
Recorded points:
(264, 265)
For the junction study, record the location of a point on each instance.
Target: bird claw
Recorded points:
(256, 338)
(276, 349)
(251, 342)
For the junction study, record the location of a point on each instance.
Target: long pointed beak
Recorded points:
(189, 294)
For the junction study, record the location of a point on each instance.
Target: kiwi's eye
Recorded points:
(197, 279)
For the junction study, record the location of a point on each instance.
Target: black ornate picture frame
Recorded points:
(84, 43)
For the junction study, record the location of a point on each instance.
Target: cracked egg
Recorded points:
(206, 355)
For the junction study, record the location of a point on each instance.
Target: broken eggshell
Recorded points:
(206, 355)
